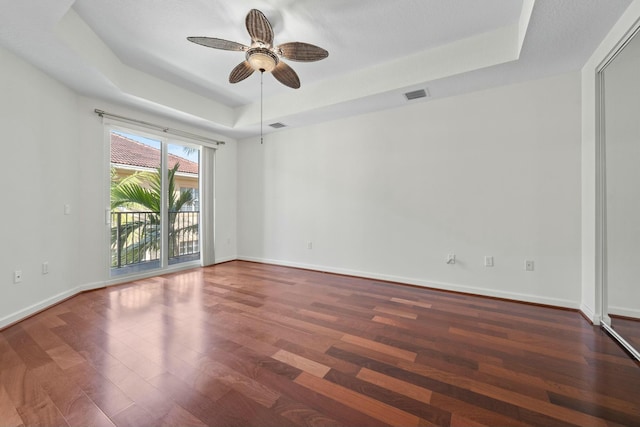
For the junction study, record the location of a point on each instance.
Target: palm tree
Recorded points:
(139, 233)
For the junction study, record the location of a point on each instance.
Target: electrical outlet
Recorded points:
(488, 261)
(528, 265)
(309, 245)
(17, 276)
(45, 267)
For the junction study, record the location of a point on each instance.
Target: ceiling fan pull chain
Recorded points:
(261, 103)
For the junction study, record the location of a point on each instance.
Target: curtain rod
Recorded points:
(164, 129)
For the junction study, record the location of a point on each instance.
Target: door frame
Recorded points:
(111, 125)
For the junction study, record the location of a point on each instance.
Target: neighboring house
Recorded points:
(129, 156)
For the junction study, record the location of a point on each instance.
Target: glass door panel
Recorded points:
(183, 195)
(136, 214)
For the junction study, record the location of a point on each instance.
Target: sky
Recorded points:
(178, 150)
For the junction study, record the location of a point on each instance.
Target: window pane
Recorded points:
(135, 203)
(184, 203)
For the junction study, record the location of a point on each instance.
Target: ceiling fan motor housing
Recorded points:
(262, 59)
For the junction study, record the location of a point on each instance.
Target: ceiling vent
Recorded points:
(416, 94)
(277, 125)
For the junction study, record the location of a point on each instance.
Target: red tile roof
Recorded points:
(126, 151)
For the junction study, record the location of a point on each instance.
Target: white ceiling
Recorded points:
(135, 53)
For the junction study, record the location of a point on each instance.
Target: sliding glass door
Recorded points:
(183, 194)
(154, 203)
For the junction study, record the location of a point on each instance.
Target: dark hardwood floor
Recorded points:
(244, 344)
(628, 328)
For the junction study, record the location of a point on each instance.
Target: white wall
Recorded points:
(53, 154)
(591, 292)
(389, 194)
(39, 173)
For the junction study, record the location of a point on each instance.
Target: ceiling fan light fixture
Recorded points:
(262, 59)
(262, 55)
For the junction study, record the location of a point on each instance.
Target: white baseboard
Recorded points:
(225, 259)
(424, 283)
(590, 314)
(46, 303)
(624, 311)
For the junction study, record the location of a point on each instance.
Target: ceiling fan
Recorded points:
(262, 55)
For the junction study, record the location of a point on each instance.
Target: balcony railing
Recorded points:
(136, 237)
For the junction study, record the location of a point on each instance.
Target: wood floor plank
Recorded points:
(8, 413)
(509, 396)
(396, 312)
(242, 384)
(248, 344)
(136, 416)
(255, 365)
(301, 414)
(307, 365)
(33, 404)
(475, 413)
(360, 402)
(315, 401)
(242, 411)
(396, 385)
(425, 411)
(628, 406)
(178, 416)
(105, 394)
(413, 303)
(544, 350)
(380, 347)
(65, 357)
(322, 358)
(26, 348)
(201, 407)
(69, 398)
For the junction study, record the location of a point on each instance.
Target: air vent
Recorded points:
(277, 125)
(416, 94)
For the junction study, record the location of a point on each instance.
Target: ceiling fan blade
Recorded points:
(286, 75)
(241, 72)
(259, 27)
(218, 43)
(304, 52)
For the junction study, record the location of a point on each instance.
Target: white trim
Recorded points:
(144, 169)
(113, 124)
(624, 311)
(117, 280)
(46, 303)
(600, 202)
(106, 198)
(622, 341)
(601, 286)
(590, 314)
(226, 259)
(207, 192)
(557, 302)
(164, 205)
(51, 301)
(187, 174)
(132, 168)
